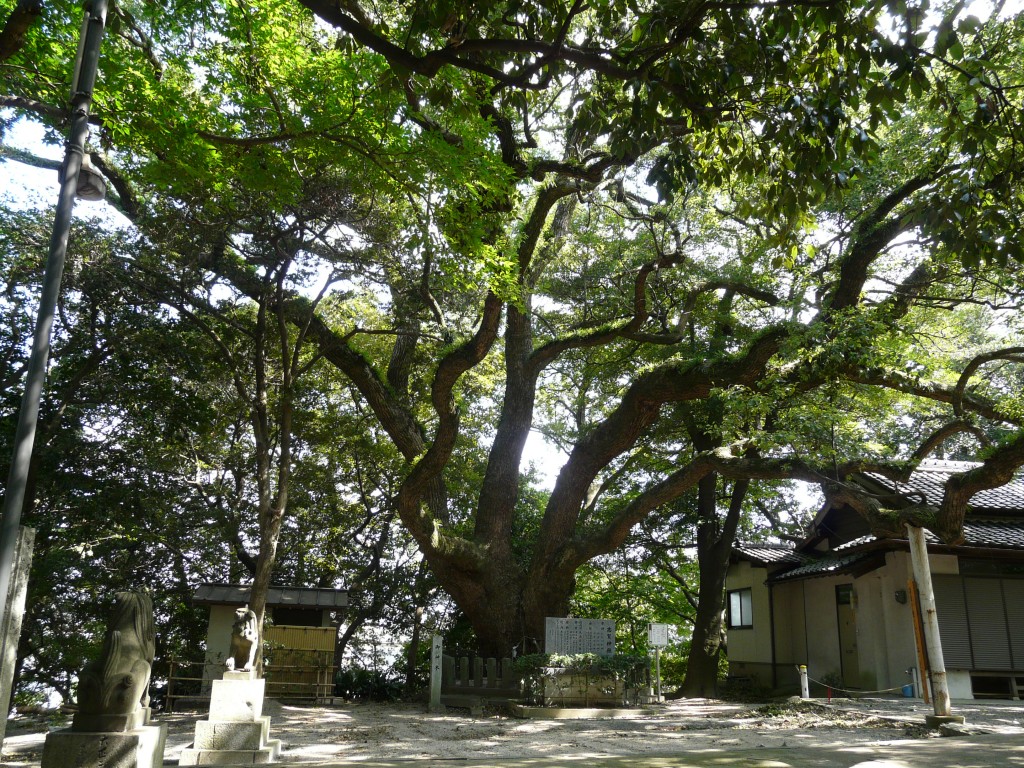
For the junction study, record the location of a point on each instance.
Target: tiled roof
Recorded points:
(989, 534)
(930, 477)
(771, 553)
(822, 567)
(293, 597)
(994, 533)
(855, 543)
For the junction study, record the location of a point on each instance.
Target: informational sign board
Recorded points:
(569, 636)
(657, 635)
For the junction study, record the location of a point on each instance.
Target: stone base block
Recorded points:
(269, 753)
(935, 721)
(140, 748)
(232, 735)
(236, 700)
(89, 723)
(240, 674)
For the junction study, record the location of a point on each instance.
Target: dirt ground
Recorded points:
(406, 731)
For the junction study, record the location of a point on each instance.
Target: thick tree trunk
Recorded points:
(715, 538)
(702, 665)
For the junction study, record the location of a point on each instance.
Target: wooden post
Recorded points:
(922, 660)
(923, 577)
(169, 696)
(436, 656)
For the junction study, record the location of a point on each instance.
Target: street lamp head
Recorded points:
(91, 184)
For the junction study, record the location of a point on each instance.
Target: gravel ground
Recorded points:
(406, 731)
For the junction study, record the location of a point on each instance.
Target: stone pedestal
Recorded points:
(236, 732)
(140, 747)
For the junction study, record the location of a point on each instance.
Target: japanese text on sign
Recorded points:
(570, 636)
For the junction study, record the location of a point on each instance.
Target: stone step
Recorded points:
(264, 756)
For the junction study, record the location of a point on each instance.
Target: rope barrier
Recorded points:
(851, 690)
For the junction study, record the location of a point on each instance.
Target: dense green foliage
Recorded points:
(703, 248)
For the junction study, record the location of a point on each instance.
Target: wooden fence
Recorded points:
(472, 681)
(295, 675)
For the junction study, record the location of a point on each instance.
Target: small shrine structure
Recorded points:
(299, 639)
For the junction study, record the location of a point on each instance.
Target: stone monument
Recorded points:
(236, 732)
(112, 727)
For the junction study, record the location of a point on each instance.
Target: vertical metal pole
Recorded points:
(657, 669)
(17, 480)
(805, 689)
(923, 577)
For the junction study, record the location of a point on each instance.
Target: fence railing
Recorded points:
(190, 681)
(477, 676)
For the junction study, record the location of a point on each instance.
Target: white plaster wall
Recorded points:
(790, 634)
(959, 684)
(218, 640)
(885, 630)
(822, 631)
(753, 644)
(872, 658)
(900, 647)
(958, 680)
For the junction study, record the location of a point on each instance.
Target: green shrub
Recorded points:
(358, 684)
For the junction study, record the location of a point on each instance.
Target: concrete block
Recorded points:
(275, 746)
(232, 735)
(264, 756)
(92, 723)
(141, 748)
(240, 674)
(237, 700)
(227, 757)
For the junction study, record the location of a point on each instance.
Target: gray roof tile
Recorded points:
(822, 567)
(989, 534)
(297, 597)
(930, 477)
(771, 553)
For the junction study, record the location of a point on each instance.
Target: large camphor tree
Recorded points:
(695, 244)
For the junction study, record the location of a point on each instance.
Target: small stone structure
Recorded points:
(237, 732)
(473, 681)
(301, 639)
(112, 728)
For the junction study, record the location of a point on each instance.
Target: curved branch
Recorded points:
(900, 383)
(126, 202)
(396, 419)
(1014, 354)
(873, 232)
(998, 469)
(549, 352)
(943, 433)
(729, 462)
(639, 409)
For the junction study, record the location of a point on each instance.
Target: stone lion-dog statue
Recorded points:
(245, 641)
(115, 686)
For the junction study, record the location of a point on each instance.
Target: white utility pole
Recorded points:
(923, 577)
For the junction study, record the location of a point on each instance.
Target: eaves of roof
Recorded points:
(770, 554)
(292, 597)
(978, 534)
(930, 477)
(856, 564)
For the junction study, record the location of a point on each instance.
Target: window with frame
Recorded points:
(741, 613)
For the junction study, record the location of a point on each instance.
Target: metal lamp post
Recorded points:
(83, 81)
